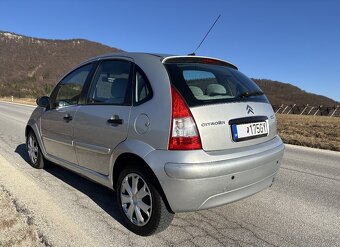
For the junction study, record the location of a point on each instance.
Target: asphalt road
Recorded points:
(302, 208)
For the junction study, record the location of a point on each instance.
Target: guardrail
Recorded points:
(330, 111)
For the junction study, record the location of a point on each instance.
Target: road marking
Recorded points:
(309, 173)
(312, 149)
(13, 103)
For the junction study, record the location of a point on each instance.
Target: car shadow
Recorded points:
(101, 195)
(22, 151)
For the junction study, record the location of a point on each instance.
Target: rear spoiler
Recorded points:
(197, 59)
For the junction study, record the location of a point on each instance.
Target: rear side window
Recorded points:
(202, 84)
(142, 90)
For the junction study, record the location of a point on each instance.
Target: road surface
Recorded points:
(302, 208)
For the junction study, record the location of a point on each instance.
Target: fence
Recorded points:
(330, 111)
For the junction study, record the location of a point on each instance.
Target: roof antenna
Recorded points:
(193, 54)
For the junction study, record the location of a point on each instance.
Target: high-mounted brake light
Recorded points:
(184, 134)
(210, 61)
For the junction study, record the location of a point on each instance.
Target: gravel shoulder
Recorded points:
(31, 206)
(16, 226)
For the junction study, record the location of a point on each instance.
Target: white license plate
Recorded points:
(242, 132)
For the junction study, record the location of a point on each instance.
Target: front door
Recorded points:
(102, 123)
(57, 122)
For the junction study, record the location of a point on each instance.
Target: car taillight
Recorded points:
(184, 134)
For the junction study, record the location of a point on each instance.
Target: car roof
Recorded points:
(160, 56)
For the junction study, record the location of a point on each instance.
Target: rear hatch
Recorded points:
(229, 109)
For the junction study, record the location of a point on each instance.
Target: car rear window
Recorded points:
(202, 84)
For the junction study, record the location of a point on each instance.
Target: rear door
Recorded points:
(57, 122)
(229, 109)
(102, 122)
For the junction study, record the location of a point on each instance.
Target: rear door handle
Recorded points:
(115, 120)
(67, 117)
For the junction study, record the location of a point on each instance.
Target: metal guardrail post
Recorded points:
(291, 109)
(336, 108)
(310, 110)
(317, 110)
(279, 108)
(284, 110)
(304, 110)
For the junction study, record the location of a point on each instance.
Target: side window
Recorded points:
(70, 87)
(111, 84)
(142, 88)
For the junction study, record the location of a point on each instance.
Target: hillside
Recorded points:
(285, 93)
(30, 66)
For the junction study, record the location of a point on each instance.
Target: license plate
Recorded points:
(242, 132)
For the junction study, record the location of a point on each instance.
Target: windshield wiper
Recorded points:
(249, 93)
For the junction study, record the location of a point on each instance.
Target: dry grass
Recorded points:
(28, 101)
(311, 131)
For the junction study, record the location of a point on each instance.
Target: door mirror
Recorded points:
(43, 101)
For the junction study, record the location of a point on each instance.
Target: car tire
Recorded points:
(141, 205)
(35, 155)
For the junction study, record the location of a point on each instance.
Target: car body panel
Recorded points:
(57, 133)
(203, 178)
(215, 131)
(95, 138)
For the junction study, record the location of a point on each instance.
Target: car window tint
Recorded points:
(205, 85)
(202, 84)
(110, 84)
(70, 87)
(142, 88)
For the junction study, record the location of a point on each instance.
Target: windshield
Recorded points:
(202, 84)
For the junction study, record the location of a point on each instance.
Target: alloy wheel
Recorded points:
(136, 199)
(33, 149)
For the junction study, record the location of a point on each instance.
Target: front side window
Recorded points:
(69, 89)
(111, 84)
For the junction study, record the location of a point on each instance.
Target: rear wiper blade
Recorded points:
(249, 93)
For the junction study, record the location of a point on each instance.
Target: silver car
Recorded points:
(168, 133)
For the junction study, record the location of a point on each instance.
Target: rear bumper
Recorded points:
(194, 180)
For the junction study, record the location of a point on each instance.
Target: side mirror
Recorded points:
(43, 101)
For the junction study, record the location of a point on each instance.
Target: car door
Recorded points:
(102, 122)
(57, 122)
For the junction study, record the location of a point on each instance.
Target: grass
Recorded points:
(310, 131)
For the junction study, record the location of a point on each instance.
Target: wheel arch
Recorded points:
(28, 128)
(32, 126)
(131, 159)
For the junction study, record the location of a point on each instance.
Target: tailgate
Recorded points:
(214, 123)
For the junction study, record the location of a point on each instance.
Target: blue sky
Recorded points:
(297, 42)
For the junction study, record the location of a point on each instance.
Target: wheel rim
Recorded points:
(32, 149)
(136, 199)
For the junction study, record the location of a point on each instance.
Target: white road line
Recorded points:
(21, 104)
(312, 149)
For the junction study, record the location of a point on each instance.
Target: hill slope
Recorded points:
(285, 93)
(30, 66)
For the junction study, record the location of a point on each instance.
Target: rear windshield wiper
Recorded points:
(249, 93)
